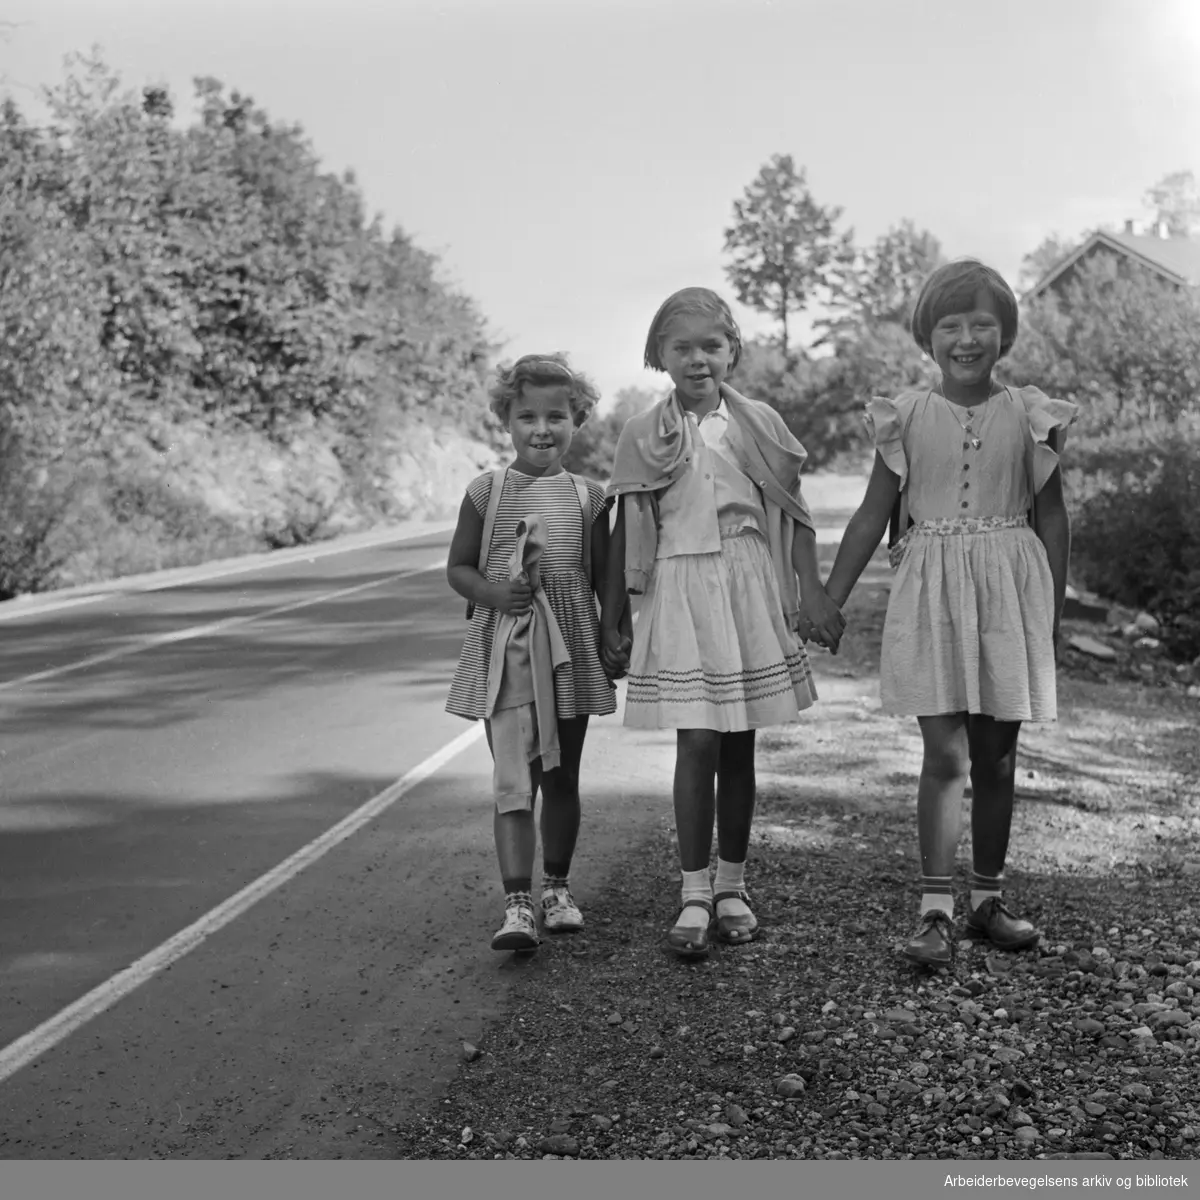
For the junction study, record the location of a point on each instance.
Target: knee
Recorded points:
(737, 753)
(945, 764)
(560, 786)
(999, 770)
(702, 746)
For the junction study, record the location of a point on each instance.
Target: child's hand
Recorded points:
(513, 596)
(614, 653)
(821, 621)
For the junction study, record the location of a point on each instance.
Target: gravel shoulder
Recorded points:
(818, 1041)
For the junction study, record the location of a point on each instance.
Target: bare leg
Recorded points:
(940, 791)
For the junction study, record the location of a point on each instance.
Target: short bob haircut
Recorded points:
(953, 288)
(691, 302)
(542, 370)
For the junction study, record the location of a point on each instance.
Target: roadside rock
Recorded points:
(559, 1143)
(1093, 648)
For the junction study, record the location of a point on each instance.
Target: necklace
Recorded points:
(968, 432)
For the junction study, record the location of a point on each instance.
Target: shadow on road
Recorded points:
(412, 630)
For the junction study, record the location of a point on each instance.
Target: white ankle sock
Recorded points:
(730, 878)
(937, 894)
(983, 887)
(696, 886)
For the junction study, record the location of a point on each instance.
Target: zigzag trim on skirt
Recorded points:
(681, 687)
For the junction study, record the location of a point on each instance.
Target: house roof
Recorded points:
(1176, 259)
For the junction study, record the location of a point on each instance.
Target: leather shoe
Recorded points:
(688, 942)
(997, 922)
(932, 945)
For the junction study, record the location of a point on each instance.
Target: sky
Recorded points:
(573, 162)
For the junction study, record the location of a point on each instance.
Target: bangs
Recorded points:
(959, 296)
(691, 302)
(954, 288)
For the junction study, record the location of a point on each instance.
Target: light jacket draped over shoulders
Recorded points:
(657, 447)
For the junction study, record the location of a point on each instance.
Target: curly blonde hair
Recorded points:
(542, 369)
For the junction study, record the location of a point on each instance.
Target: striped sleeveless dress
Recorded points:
(584, 689)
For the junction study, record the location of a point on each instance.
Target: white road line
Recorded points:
(50, 1033)
(196, 631)
(12, 610)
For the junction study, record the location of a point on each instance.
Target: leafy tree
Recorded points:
(224, 274)
(885, 279)
(822, 399)
(783, 245)
(1176, 200)
(153, 274)
(1047, 254)
(595, 442)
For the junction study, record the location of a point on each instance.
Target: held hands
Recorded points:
(513, 596)
(821, 621)
(615, 646)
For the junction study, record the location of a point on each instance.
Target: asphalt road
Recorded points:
(232, 921)
(162, 751)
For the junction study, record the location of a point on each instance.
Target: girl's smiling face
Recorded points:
(966, 345)
(541, 426)
(697, 354)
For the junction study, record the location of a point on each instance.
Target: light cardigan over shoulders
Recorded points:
(657, 448)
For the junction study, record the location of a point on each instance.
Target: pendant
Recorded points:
(976, 443)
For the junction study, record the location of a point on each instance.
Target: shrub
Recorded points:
(1136, 534)
(34, 501)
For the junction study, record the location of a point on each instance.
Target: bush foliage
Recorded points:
(1125, 346)
(156, 271)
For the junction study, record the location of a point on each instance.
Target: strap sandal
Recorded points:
(687, 941)
(736, 931)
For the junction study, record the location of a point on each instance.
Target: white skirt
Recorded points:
(712, 649)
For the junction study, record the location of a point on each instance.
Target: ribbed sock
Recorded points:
(937, 894)
(556, 871)
(983, 886)
(697, 885)
(731, 878)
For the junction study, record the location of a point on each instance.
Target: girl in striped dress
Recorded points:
(541, 402)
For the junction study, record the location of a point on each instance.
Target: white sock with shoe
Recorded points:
(730, 878)
(697, 885)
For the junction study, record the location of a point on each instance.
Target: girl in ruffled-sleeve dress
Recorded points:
(969, 643)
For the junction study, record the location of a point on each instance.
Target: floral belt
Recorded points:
(952, 527)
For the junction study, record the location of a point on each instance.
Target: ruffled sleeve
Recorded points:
(884, 420)
(1045, 415)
